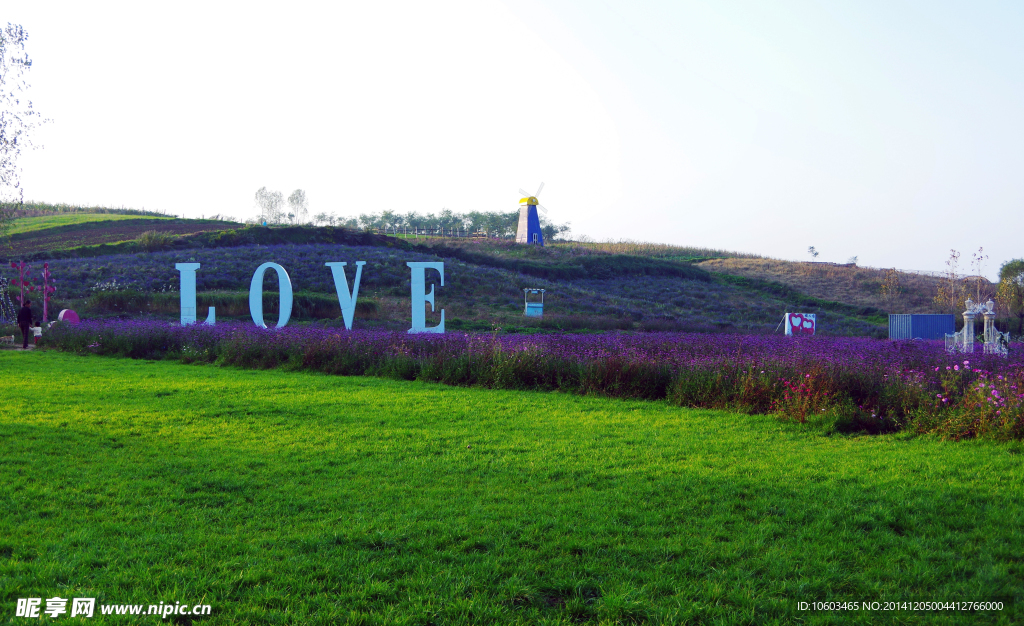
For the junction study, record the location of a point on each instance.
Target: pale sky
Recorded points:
(892, 131)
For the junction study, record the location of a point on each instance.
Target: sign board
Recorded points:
(799, 324)
(346, 298)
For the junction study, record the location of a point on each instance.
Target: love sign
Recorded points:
(799, 324)
(346, 299)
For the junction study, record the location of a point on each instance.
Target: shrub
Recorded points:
(153, 240)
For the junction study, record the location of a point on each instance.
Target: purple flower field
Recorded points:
(852, 384)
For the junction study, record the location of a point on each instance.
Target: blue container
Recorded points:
(920, 326)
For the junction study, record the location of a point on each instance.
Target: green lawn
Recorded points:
(43, 222)
(294, 498)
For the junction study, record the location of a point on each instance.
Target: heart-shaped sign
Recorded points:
(801, 323)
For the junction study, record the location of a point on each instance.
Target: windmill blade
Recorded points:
(542, 209)
(538, 190)
(525, 193)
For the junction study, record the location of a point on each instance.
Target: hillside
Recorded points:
(859, 286)
(32, 236)
(103, 268)
(46, 222)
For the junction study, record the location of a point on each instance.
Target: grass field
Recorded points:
(43, 222)
(296, 498)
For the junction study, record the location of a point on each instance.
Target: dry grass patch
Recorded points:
(646, 248)
(859, 286)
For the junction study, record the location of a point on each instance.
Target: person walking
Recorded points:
(25, 322)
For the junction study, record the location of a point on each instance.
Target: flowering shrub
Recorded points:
(991, 403)
(851, 383)
(804, 397)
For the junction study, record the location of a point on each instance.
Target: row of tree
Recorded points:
(273, 208)
(502, 224)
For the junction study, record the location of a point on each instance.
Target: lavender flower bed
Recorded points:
(851, 383)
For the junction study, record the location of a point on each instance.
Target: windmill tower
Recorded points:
(529, 221)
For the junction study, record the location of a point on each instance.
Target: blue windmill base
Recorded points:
(529, 226)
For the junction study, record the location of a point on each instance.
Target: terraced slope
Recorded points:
(44, 222)
(30, 236)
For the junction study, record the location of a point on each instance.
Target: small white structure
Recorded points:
(995, 341)
(963, 341)
(533, 309)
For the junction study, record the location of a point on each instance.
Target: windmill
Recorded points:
(529, 221)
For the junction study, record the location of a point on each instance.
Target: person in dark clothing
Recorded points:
(25, 321)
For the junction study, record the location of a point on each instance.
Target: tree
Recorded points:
(891, 289)
(554, 232)
(389, 221)
(447, 219)
(504, 224)
(952, 292)
(977, 266)
(324, 219)
(269, 205)
(299, 206)
(1011, 290)
(413, 220)
(370, 221)
(17, 119)
(475, 221)
(811, 251)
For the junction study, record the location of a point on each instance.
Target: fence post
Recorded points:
(969, 328)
